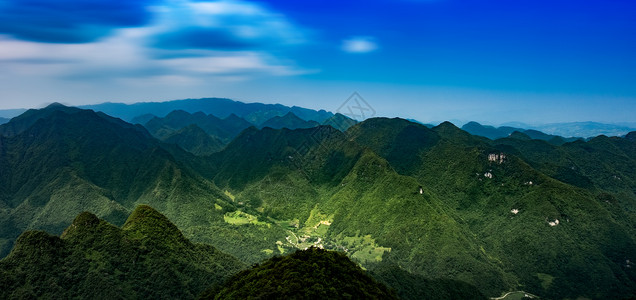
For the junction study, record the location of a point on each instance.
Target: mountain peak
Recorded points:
(55, 105)
(520, 136)
(290, 121)
(86, 219)
(448, 125)
(449, 129)
(295, 275)
(151, 224)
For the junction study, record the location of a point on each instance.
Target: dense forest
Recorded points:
(427, 210)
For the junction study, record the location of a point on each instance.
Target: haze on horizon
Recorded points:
(430, 60)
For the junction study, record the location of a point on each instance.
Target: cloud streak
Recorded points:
(181, 39)
(359, 45)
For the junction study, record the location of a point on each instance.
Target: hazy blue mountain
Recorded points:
(488, 131)
(289, 121)
(578, 129)
(255, 113)
(494, 133)
(10, 113)
(4, 120)
(584, 129)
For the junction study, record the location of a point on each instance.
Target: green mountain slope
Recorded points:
(417, 287)
(147, 258)
(512, 209)
(335, 194)
(340, 122)
(194, 140)
(308, 274)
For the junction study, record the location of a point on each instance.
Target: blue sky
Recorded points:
(431, 60)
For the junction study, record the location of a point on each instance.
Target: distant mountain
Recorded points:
(579, 129)
(146, 258)
(4, 120)
(10, 113)
(490, 132)
(340, 122)
(255, 113)
(305, 274)
(584, 129)
(494, 133)
(289, 121)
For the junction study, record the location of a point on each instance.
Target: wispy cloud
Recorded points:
(148, 39)
(359, 44)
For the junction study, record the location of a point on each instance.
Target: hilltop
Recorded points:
(146, 258)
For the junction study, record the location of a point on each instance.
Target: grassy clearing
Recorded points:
(241, 218)
(546, 280)
(268, 251)
(363, 248)
(227, 193)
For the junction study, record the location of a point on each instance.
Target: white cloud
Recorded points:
(131, 52)
(242, 22)
(359, 45)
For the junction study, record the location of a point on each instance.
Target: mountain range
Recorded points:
(203, 134)
(437, 206)
(256, 113)
(578, 129)
(494, 133)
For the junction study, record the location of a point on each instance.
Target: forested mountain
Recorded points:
(438, 205)
(340, 122)
(3, 120)
(71, 160)
(147, 257)
(538, 227)
(202, 134)
(194, 140)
